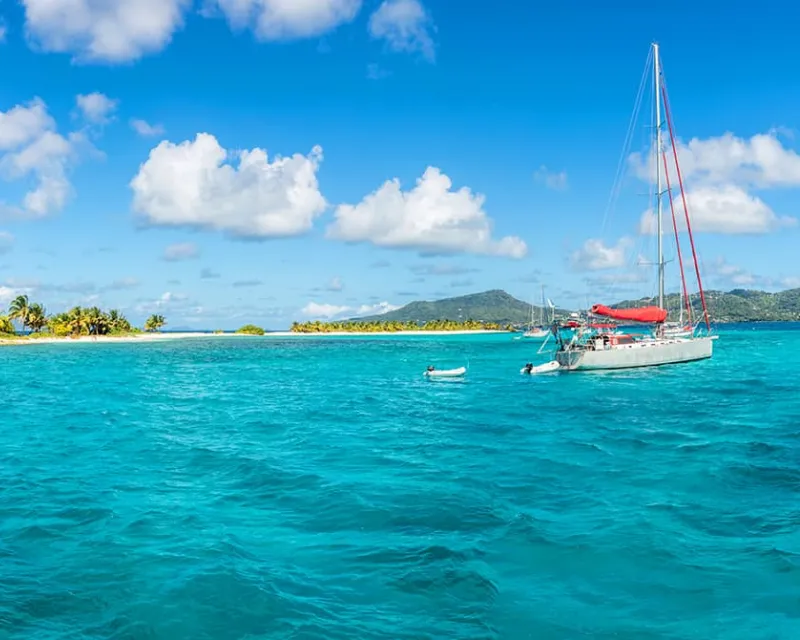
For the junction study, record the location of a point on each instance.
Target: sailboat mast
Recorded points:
(541, 320)
(659, 223)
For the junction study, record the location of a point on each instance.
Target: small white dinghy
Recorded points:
(547, 367)
(445, 373)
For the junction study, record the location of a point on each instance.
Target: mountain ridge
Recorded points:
(496, 305)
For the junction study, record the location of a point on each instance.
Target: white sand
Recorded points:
(155, 337)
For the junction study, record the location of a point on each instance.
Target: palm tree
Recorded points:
(77, 321)
(96, 321)
(37, 317)
(154, 323)
(117, 321)
(18, 310)
(6, 326)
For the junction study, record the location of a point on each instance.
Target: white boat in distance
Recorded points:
(590, 349)
(542, 331)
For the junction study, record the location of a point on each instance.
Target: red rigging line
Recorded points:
(668, 113)
(677, 238)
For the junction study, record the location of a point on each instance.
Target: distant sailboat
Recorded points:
(540, 331)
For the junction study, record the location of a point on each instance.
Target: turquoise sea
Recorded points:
(320, 488)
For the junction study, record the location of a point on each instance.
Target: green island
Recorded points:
(76, 322)
(248, 330)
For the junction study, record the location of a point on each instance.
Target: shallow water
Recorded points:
(321, 488)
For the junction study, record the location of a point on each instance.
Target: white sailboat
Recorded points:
(592, 349)
(540, 331)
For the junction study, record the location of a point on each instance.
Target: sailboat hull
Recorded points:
(649, 353)
(536, 334)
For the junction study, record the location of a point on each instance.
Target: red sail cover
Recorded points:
(643, 314)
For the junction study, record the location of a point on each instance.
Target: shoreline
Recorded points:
(161, 337)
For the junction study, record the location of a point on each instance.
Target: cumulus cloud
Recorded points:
(96, 108)
(405, 26)
(555, 180)
(145, 129)
(725, 209)
(111, 31)
(181, 251)
(287, 19)
(719, 173)
(430, 218)
(595, 255)
(760, 161)
(195, 184)
(332, 311)
(32, 148)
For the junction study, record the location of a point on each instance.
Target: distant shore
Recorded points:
(160, 337)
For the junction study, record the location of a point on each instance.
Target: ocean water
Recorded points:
(320, 488)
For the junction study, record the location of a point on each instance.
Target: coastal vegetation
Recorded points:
(389, 326)
(35, 322)
(738, 305)
(154, 323)
(251, 330)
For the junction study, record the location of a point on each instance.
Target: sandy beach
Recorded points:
(160, 337)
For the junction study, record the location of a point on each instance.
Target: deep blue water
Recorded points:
(320, 488)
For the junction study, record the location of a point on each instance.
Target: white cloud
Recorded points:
(331, 311)
(335, 284)
(7, 294)
(430, 218)
(6, 242)
(594, 255)
(726, 274)
(168, 301)
(724, 209)
(288, 19)
(192, 184)
(760, 161)
(377, 309)
(96, 107)
(555, 180)
(790, 282)
(30, 147)
(718, 173)
(3, 31)
(405, 26)
(145, 129)
(107, 31)
(181, 251)
(322, 310)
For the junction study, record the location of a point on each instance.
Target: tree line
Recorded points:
(76, 322)
(393, 326)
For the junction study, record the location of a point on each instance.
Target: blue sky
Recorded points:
(152, 191)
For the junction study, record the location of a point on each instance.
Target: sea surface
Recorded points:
(320, 488)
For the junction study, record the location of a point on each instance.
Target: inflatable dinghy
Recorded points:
(547, 367)
(445, 373)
